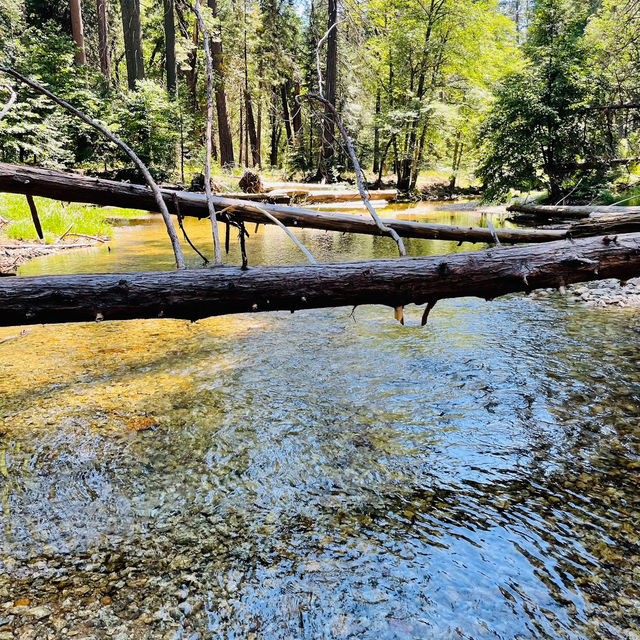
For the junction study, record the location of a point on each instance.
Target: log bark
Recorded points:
(601, 225)
(70, 187)
(393, 282)
(551, 211)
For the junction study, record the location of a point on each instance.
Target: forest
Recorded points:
(506, 97)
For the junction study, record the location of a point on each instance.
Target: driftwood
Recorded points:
(195, 294)
(551, 211)
(72, 187)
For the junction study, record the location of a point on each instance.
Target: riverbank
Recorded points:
(15, 253)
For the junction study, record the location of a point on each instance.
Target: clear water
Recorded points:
(320, 475)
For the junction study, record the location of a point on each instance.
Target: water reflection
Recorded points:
(323, 476)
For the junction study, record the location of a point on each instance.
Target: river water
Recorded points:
(326, 474)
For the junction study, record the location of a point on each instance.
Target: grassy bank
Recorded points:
(56, 217)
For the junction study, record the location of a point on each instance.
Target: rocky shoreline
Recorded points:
(603, 294)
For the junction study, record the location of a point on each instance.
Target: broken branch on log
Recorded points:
(175, 243)
(72, 187)
(395, 282)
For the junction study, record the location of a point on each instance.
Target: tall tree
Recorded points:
(78, 31)
(132, 31)
(224, 128)
(170, 45)
(330, 83)
(539, 130)
(103, 40)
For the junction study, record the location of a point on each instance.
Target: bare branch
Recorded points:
(298, 243)
(177, 249)
(12, 98)
(358, 171)
(207, 163)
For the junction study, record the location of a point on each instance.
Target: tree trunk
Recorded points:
(224, 128)
(275, 129)
(132, 31)
(297, 114)
(192, 73)
(285, 112)
(251, 127)
(376, 135)
(170, 46)
(78, 31)
(70, 187)
(103, 40)
(330, 83)
(202, 293)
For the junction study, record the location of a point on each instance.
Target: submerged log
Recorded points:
(395, 282)
(70, 187)
(552, 211)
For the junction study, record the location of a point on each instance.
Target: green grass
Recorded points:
(610, 198)
(56, 217)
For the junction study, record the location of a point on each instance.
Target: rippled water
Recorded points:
(320, 475)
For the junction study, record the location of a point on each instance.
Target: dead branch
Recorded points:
(207, 163)
(295, 240)
(12, 98)
(358, 171)
(162, 207)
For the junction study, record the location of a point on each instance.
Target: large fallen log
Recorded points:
(396, 282)
(71, 187)
(606, 224)
(552, 211)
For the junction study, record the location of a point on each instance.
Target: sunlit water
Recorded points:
(322, 474)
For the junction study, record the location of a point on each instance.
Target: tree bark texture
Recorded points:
(132, 30)
(330, 82)
(224, 128)
(77, 29)
(170, 45)
(396, 282)
(103, 40)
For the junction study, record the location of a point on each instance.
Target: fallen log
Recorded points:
(269, 198)
(220, 290)
(602, 225)
(71, 187)
(565, 211)
(339, 195)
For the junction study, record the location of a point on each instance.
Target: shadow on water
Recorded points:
(321, 475)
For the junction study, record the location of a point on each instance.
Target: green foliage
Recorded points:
(538, 130)
(56, 218)
(148, 122)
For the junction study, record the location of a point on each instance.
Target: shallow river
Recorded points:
(324, 474)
